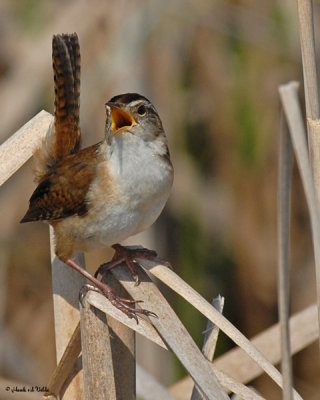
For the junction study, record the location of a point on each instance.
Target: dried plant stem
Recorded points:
(22, 144)
(291, 106)
(314, 146)
(183, 289)
(209, 341)
(284, 188)
(307, 40)
(305, 14)
(172, 331)
(123, 345)
(212, 331)
(98, 371)
(14, 153)
(303, 332)
(66, 364)
(303, 329)
(66, 284)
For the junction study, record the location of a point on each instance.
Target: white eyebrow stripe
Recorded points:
(135, 102)
(142, 101)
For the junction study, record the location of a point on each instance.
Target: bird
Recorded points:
(100, 195)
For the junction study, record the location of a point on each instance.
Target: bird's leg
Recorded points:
(129, 255)
(124, 305)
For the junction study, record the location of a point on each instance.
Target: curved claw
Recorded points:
(150, 314)
(135, 276)
(165, 263)
(133, 315)
(84, 290)
(104, 267)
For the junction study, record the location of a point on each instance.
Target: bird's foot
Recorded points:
(129, 255)
(127, 306)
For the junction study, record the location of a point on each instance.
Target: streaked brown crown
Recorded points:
(127, 98)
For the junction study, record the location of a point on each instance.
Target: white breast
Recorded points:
(144, 178)
(142, 182)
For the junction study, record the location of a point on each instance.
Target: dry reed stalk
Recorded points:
(284, 189)
(307, 42)
(314, 146)
(147, 330)
(123, 346)
(292, 110)
(208, 350)
(209, 341)
(144, 327)
(187, 292)
(172, 331)
(98, 371)
(66, 284)
(311, 183)
(15, 151)
(172, 280)
(303, 332)
(66, 364)
(177, 339)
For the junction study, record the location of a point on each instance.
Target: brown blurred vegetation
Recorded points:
(212, 69)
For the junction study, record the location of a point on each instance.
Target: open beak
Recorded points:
(120, 119)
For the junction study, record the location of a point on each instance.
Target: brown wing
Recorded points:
(62, 190)
(66, 68)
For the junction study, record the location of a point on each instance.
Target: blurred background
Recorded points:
(212, 69)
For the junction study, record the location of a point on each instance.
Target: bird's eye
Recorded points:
(142, 110)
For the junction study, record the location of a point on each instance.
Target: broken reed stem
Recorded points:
(291, 106)
(209, 341)
(212, 331)
(16, 150)
(284, 189)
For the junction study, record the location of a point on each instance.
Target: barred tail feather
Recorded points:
(64, 137)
